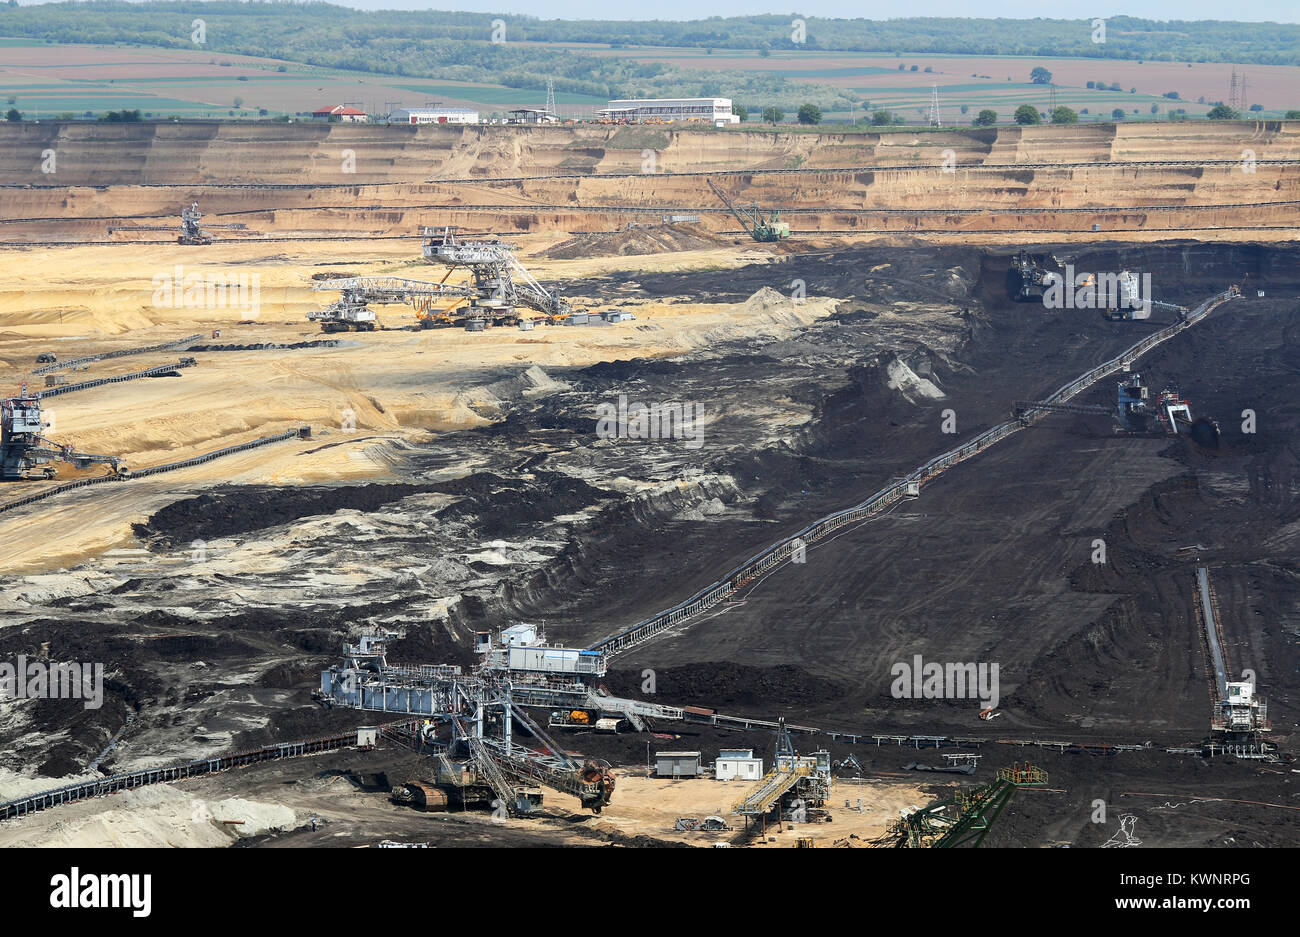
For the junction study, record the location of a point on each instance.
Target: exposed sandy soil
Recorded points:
(650, 806)
(365, 182)
(397, 385)
(273, 805)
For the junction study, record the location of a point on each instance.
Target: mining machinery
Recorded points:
(477, 759)
(1119, 297)
(1136, 414)
(1239, 716)
(501, 283)
(1128, 303)
(191, 233)
(965, 818)
(351, 312)
(1030, 276)
(25, 452)
(794, 779)
(498, 290)
(434, 303)
(474, 720)
(759, 225)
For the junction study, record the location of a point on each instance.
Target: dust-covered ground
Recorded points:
(213, 628)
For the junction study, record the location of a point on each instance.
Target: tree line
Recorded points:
(1126, 37)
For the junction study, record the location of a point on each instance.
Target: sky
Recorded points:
(1281, 11)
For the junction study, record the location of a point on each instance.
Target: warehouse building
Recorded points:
(677, 764)
(433, 115)
(716, 111)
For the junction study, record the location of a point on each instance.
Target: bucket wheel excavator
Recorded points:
(1137, 414)
(481, 760)
(26, 453)
(498, 291)
(190, 231)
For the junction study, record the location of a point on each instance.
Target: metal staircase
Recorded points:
(762, 798)
(486, 765)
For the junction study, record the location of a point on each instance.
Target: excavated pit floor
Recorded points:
(215, 619)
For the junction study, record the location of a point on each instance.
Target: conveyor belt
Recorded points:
(99, 382)
(840, 170)
(768, 791)
(658, 210)
(1212, 632)
(83, 790)
(152, 470)
(64, 365)
(716, 592)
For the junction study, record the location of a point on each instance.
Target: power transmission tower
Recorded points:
(550, 97)
(1237, 90)
(934, 106)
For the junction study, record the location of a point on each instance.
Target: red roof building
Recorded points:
(340, 111)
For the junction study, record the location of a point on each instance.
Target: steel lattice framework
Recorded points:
(499, 285)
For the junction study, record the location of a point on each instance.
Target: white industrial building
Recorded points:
(737, 764)
(523, 647)
(433, 115)
(716, 111)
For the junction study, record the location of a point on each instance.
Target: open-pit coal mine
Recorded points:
(1065, 557)
(507, 495)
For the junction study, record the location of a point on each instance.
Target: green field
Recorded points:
(76, 79)
(43, 80)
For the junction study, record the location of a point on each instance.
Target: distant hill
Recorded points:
(279, 29)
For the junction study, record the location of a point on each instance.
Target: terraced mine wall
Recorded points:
(290, 180)
(164, 153)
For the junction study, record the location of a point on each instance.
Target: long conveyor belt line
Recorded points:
(97, 787)
(407, 732)
(1118, 164)
(731, 232)
(716, 592)
(164, 346)
(569, 207)
(1212, 632)
(152, 470)
(101, 381)
(911, 168)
